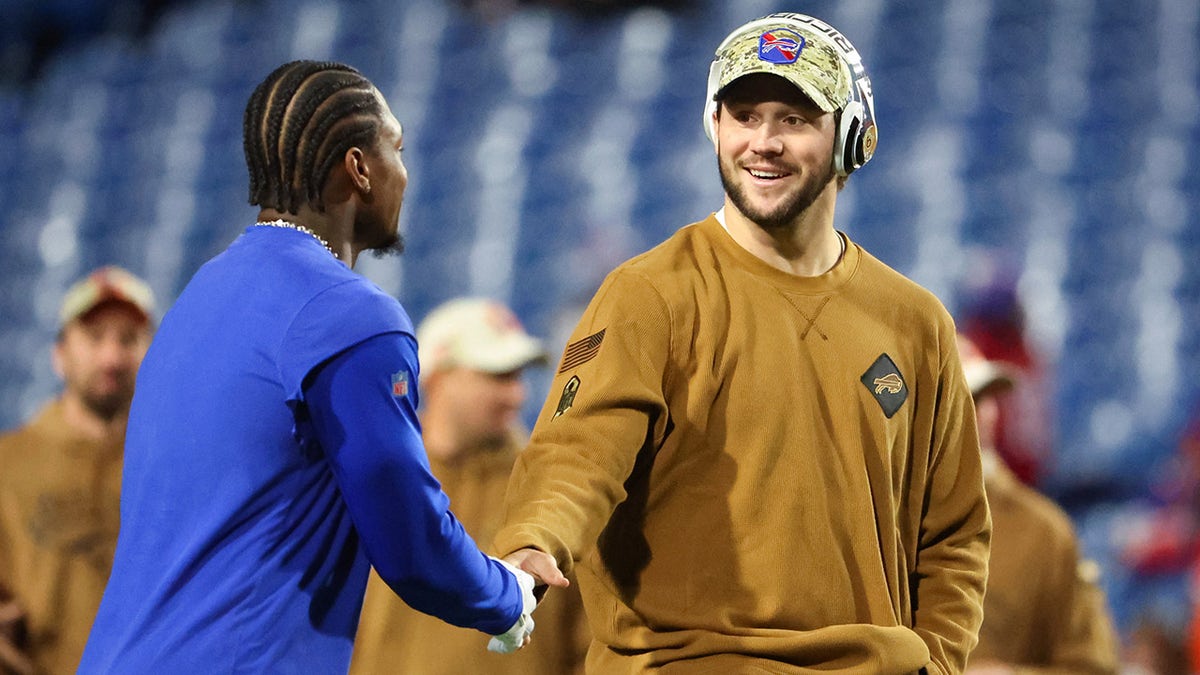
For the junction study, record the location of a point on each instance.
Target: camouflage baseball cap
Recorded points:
(793, 50)
(107, 284)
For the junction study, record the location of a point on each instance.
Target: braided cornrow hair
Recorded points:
(299, 123)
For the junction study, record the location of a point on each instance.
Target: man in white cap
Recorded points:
(473, 354)
(759, 447)
(1044, 611)
(61, 476)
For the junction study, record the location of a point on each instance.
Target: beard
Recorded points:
(380, 233)
(393, 245)
(788, 210)
(107, 405)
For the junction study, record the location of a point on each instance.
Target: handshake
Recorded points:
(530, 567)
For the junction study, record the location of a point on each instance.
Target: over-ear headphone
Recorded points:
(856, 135)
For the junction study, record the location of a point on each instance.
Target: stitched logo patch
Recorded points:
(568, 396)
(780, 46)
(886, 384)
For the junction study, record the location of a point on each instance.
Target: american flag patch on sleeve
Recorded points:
(581, 351)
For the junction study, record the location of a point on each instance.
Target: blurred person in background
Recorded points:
(274, 453)
(61, 473)
(473, 354)
(1044, 611)
(992, 316)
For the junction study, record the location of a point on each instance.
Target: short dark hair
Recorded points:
(299, 122)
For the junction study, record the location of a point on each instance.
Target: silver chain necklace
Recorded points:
(299, 228)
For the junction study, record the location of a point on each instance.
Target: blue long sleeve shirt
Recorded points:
(273, 454)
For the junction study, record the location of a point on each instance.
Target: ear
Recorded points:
(57, 358)
(355, 163)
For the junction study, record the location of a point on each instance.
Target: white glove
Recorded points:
(514, 638)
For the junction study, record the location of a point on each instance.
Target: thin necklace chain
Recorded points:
(299, 228)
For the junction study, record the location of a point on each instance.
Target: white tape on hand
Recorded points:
(515, 637)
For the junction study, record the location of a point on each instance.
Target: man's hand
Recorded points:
(535, 571)
(518, 635)
(540, 564)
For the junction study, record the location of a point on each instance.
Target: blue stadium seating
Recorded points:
(132, 145)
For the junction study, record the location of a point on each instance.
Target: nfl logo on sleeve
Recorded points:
(400, 384)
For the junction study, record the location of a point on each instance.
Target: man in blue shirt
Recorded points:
(273, 452)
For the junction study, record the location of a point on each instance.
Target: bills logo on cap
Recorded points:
(400, 383)
(780, 46)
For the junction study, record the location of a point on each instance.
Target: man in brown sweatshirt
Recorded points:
(1044, 612)
(759, 451)
(61, 476)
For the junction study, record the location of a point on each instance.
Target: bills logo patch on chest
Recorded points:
(886, 384)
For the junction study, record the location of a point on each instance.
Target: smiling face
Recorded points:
(774, 149)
